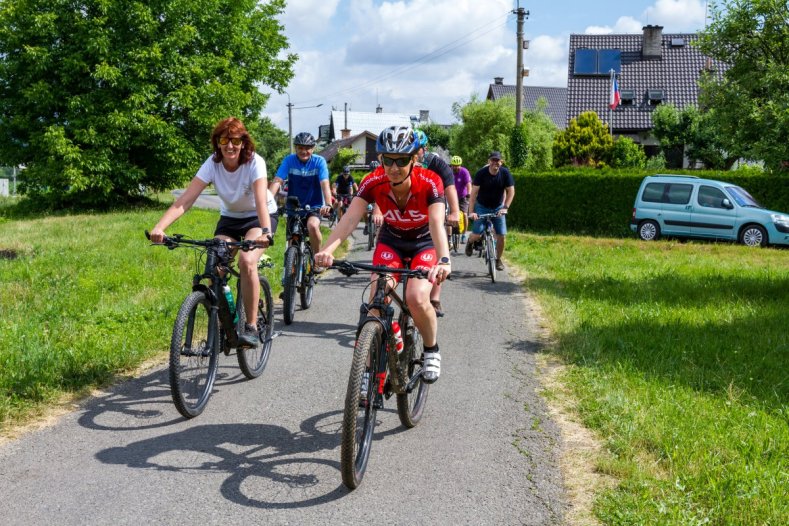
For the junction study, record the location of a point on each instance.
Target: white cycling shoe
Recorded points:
(431, 369)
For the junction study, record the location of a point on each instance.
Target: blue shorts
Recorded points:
(499, 223)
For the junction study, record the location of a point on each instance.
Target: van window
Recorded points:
(653, 193)
(710, 197)
(674, 193)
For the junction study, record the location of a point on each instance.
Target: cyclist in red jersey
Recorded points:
(411, 199)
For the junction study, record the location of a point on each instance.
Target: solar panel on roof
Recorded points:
(608, 59)
(677, 42)
(585, 62)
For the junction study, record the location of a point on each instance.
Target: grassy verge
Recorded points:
(679, 358)
(86, 297)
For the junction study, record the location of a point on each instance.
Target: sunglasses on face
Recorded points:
(235, 140)
(401, 162)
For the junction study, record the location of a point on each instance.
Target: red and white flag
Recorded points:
(614, 99)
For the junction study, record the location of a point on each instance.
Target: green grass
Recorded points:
(679, 357)
(86, 298)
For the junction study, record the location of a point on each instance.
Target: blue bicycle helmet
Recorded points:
(422, 138)
(304, 139)
(397, 140)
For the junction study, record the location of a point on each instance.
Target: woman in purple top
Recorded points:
(463, 186)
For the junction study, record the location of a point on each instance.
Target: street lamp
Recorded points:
(292, 107)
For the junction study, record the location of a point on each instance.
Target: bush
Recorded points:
(600, 201)
(627, 154)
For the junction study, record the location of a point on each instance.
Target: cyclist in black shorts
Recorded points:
(343, 190)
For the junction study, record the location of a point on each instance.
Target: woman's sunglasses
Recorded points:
(401, 162)
(235, 140)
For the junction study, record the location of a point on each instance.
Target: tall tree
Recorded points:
(486, 125)
(99, 98)
(751, 100)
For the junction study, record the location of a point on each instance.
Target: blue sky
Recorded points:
(412, 55)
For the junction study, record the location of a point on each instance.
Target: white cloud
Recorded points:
(676, 15)
(309, 15)
(623, 25)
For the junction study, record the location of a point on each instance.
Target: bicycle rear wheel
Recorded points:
(455, 240)
(410, 406)
(308, 279)
(252, 361)
(193, 355)
(289, 284)
(490, 256)
(358, 421)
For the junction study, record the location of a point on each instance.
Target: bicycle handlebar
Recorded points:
(349, 268)
(177, 240)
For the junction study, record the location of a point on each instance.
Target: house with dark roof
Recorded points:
(363, 143)
(556, 98)
(651, 69)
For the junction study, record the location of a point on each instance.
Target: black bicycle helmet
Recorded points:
(397, 140)
(304, 139)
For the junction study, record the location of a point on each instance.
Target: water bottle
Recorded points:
(398, 337)
(229, 297)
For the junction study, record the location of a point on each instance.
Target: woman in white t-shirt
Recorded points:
(239, 177)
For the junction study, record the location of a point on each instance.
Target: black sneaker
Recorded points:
(365, 229)
(437, 306)
(249, 338)
(469, 248)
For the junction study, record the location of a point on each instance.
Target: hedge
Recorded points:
(600, 202)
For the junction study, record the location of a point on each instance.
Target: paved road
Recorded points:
(267, 451)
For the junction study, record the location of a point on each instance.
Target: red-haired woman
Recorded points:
(239, 177)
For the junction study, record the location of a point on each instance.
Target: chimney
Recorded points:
(498, 81)
(424, 116)
(379, 109)
(345, 133)
(652, 45)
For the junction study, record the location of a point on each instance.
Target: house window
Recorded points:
(656, 96)
(597, 62)
(628, 96)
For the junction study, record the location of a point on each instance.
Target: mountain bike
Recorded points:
(378, 370)
(487, 245)
(371, 228)
(334, 214)
(457, 231)
(209, 321)
(297, 271)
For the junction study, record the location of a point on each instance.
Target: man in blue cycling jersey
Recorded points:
(307, 176)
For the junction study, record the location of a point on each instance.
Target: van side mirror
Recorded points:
(727, 204)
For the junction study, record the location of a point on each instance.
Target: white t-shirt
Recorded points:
(235, 188)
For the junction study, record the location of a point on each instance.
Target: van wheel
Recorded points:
(753, 236)
(649, 230)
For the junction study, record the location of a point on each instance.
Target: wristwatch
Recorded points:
(443, 261)
(266, 230)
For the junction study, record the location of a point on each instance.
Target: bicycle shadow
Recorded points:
(268, 466)
(344, 334)
(146, 402)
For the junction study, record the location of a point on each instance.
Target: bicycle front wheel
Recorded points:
(490, 256)
(289, 284)
(307, 279)
(358, 421)
(410, 406)
(455, 240)
(370, 234)
(193, 355)
(252, 361)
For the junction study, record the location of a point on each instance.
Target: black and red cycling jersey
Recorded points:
(411, 221)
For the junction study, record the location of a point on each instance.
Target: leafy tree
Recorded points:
(751, 99)
(486, 126)
(627, 154)
(102, 97)
(690, 132)
(585, 142)
(538, 132)
(437, 135)
(344, 157)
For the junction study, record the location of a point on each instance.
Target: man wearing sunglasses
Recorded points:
(492, 191)
(239, 177)
(307, 176)
(411, 199)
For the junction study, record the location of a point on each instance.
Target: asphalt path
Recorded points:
(267, 451)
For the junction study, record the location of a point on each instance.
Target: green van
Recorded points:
(687, 206)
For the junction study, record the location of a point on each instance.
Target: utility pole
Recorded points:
(519, 74)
